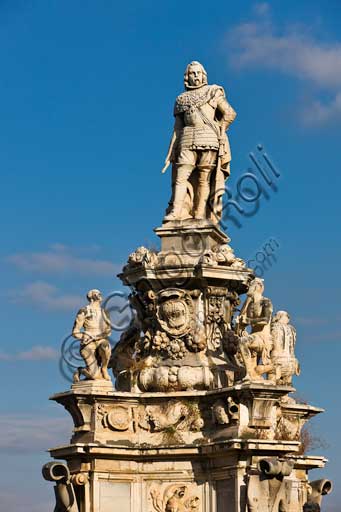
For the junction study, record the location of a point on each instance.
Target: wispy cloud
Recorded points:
(323, 337)
(4, 356)
(58, 259)
(311, 320)
(293, 51)
(36, 353)
(42, 433)
(46, 296)
(261, 8)
(17, 500)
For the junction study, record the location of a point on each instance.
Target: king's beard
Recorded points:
(191, 87)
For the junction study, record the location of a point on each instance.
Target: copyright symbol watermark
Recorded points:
(119, 310)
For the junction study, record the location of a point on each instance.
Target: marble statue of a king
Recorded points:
(199, 148)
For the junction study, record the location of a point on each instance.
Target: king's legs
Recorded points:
(188, 160)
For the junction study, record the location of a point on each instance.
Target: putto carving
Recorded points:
(222, 255)
(142, 257)
(175, 498)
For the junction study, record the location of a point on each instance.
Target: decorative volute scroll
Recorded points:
(64, 491)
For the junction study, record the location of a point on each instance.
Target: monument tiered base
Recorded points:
(205, 451)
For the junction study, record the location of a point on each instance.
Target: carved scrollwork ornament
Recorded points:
(79, 479)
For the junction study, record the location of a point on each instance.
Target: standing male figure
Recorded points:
(92, 327)
(199, 141)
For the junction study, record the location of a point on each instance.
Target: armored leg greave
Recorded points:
(182, 175)
(203, 191)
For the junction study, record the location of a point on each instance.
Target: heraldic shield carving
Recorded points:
(175, 311)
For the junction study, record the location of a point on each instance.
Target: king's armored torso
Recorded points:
(197, 108)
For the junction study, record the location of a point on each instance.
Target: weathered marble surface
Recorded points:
(92, 328)
(199, 149)
(202, 417)
(195, 448)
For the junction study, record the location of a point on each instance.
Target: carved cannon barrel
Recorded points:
(56, 472)
(270, 467)
(319, 488)
(274, 467)
(233, 409)
(64, 492)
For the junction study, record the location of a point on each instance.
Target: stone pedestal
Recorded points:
(186, 429)
(200, 450)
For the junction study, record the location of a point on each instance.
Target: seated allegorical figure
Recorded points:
(255, 347)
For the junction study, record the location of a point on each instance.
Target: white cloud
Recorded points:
(322, 113)
(36, 353)
(60, 259)
(4, 356)
(293, 51)
(39, 353)
(31, 434)
(45, 295)
(261, 8)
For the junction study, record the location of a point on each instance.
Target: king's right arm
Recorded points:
(178, 126)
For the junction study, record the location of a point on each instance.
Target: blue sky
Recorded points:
(87, 91)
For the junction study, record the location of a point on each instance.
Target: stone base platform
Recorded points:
(195, 451)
